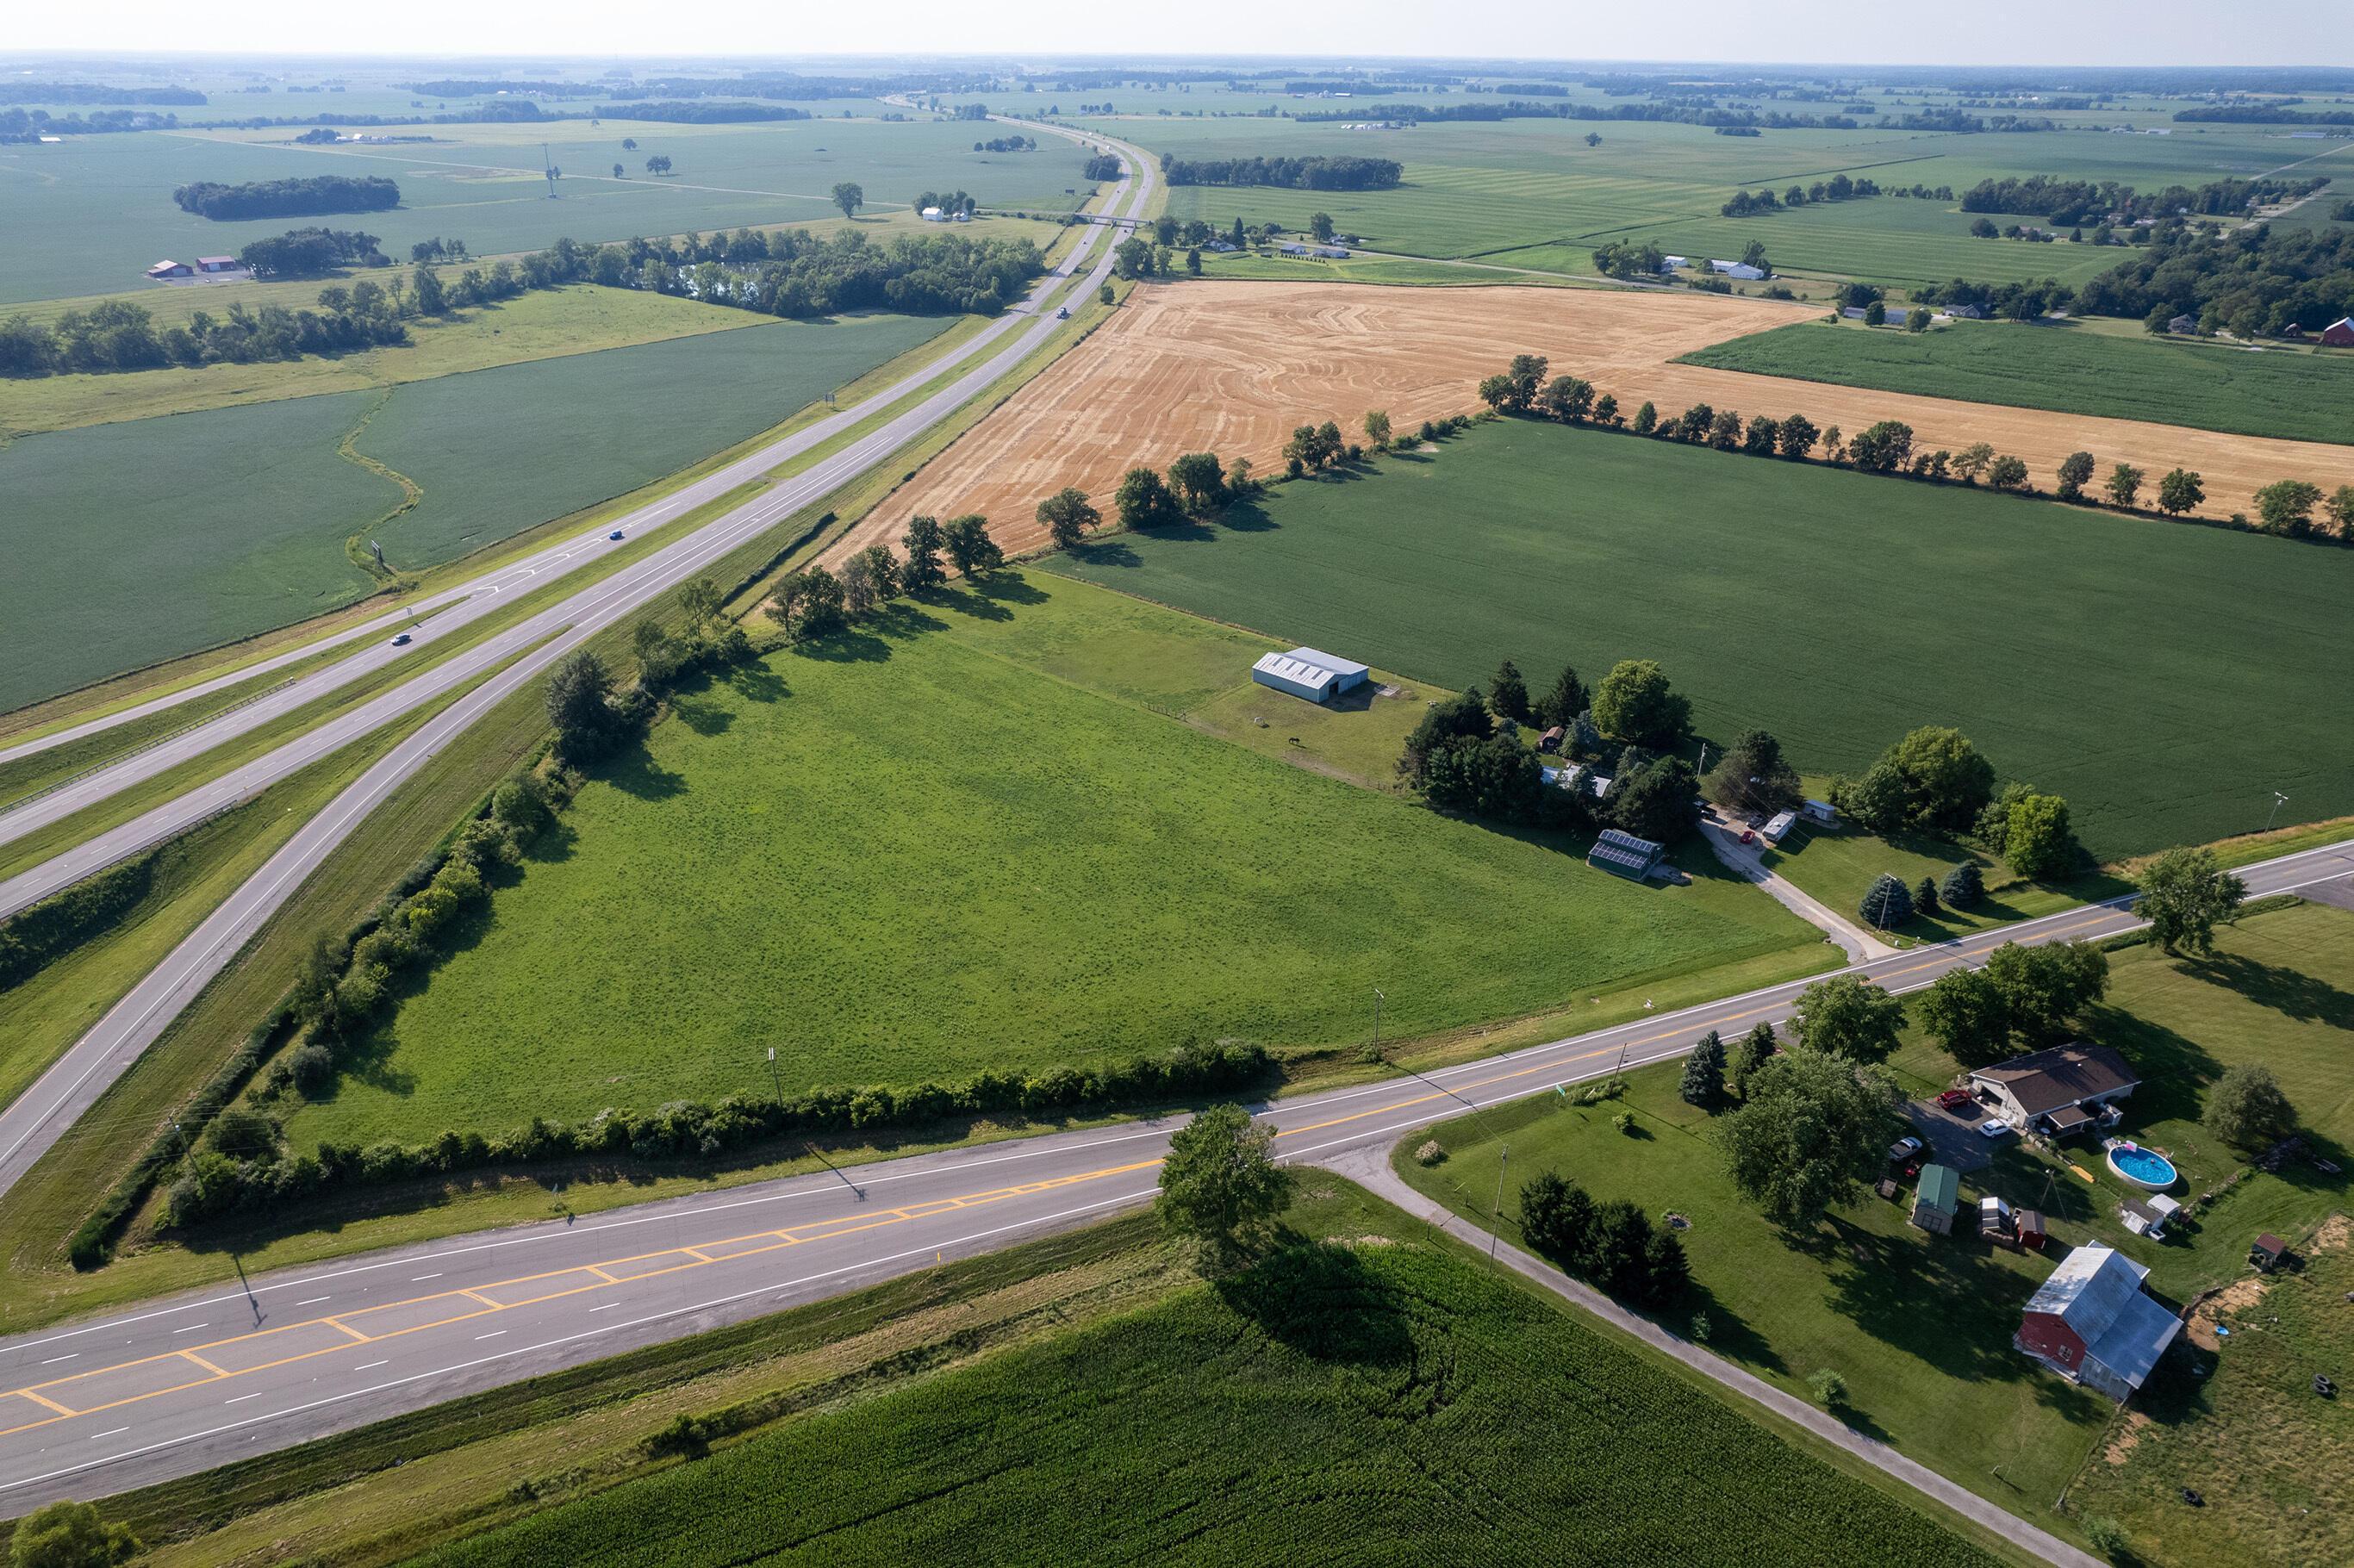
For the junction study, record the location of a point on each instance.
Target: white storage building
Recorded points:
(1306, 672)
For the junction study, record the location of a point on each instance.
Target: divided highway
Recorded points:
(41, 1114)
(177, 1386)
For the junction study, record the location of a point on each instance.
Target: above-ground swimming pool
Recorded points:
(2143, 1167)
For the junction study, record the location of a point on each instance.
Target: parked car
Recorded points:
(400, 641)
(1953, 1099)
(1903, 1149)
(1995, 1126)
(614, 535)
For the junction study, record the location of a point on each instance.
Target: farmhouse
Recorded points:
(1332, 253)
(933, 214)
(1670, 263)
(2340, 334)
(1624, 854)
(1935, 1198)
(162, 269)
(2183, 326)
(1895, 315)
(1305, 672)
(2090, 1323)
(2062, 1090)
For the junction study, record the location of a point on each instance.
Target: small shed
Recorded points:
(1780, 826)
(1551, 739)
(1307, 672)
(1935, 1198)
(2033, 1232)
(1887, 1188)
(2148, 1217)
(171, 269)
(1819, 812)
(2185, 326)
(1624, 854)
(2268, 1253)
(216, 263)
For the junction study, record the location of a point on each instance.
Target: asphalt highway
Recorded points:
(455, 609)
(175, 1387)
(38, 1118)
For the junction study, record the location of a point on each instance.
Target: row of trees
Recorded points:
(1318, 172)
(2069, 202)
(300, 197)
(1613, 1246)
(818, 602)
(1935, 781)
(309, 252)
(1839, 187)
(117, 336)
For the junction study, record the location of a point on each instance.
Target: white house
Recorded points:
(932, 215)
(2065, 1088)
(1306, 672)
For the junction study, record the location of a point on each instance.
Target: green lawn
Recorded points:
(1838, 865)
(1365, 1398)
(2290, 393)
(965, 839)
(130, 543)
(1919, 1326)
(2166, 679)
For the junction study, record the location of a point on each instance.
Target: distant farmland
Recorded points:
(134, 542)
(2167, 678)
(2068, 370)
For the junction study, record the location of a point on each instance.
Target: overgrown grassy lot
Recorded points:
(2275, 392)
(1920, 1326)
(134, 542)
(92, 212)
(2165, 678)
(1360, 1398)
(963, 839)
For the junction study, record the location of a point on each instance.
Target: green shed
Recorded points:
(1935, 1198)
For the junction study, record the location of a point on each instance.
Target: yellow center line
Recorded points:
(771, 1241)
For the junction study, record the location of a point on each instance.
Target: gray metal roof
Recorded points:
(2135, 1337)
(1309, 667)
(2089, 1290)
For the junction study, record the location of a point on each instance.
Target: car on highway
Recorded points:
(400, 641)
(614, 535)
(1063, 315)
(1995, 1126)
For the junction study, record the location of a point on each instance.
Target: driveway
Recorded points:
(1953, 1140)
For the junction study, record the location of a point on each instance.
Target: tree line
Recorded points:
(1317, 172)
(817, 601)
(1007, 145)
(18, 125)
(2291, 508)
(309, 252)
(301, 197)
(1839, 187)
(117, 336)
(1681, 113)
(676, 113)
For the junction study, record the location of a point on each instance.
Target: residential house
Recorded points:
(1966, 313)
(2061, 1091)
(2187, 326)
(2090, 1323)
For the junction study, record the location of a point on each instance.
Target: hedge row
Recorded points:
(59, 923)
(218, 1183)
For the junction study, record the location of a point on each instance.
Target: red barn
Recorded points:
(2090, 1323)
(2340, 334)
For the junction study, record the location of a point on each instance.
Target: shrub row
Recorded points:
(1612, 1245)
(218, 1182)
(57, 924)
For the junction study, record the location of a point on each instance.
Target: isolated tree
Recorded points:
(1965, 1012)
(1067, 516)
(1319, 224)
(2038, 842)
(1845, 1016)
(849, 197)
(1593, 138)
(1749, 1053)
(2075, 473)
(579, 707)
(1564, 701)
(2246, 1107)
(1378, 428)
(2285, 506)
(620, 173)
(1143, 501)
(659, 163)
(1963, 887)
(1703, 1080)
(2183, 894)
(1556, 1218)
(1218, 1184)
(2044, 987)
(69, 1535)
(1635, 704)
(1875, 314)
(1812, 1129)
(970, 549)
(1945, 782)
(1887, 903)
(1200, 481)
(2123, 486)
(1104, 294)
(923, 542)
(629, 144)
(1508, 697)
(1916, 319)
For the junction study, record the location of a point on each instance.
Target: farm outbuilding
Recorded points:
(1624, 854)
(1934, 1200)
(1306, 672)
(2090, 1323)
(2340, 334)
(170, 270)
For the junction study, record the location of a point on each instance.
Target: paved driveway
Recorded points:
(1952, 1139)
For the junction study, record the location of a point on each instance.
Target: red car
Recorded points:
(1953, 1099)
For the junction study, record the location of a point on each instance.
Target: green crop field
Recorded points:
(2288, 393)
(92, 212)
(2165, 678)
(1360, 1400)
(988, 834)
(134, 542)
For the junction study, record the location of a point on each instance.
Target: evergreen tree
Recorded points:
(1565, 701)
(1704, 1083)
(1925, 896)
(1754, 1050)
(1508, 699)
(1964, 885)
(1886, 903)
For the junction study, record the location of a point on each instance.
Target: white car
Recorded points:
(1995, 1126)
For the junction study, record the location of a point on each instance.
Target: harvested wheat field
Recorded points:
(1235, 367)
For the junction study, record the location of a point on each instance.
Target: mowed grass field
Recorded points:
(2288, 393)
(93, 213)
(990, 834)
(2165, 678)
(134, 542)
(1357, 1400)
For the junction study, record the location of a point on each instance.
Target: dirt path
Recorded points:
(1234, 366)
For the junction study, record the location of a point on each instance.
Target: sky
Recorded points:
(2054, 32)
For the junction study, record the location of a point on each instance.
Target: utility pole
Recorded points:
(1496, 1230)
(774, 1082)
(1378, 999)
(2279, 801)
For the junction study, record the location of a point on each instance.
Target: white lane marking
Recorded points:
(370, 1366)
(492, 1335)
(313, 1301)
(607, 1307)
(55, 1359)
(115, 1432)
(241, 1398)
(188, 1328)
(415, 1277)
